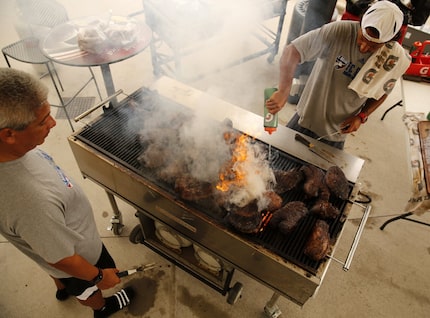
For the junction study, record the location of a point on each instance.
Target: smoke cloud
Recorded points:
(177, 142)
(207, 34)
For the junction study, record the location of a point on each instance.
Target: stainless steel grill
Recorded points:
(107, 152)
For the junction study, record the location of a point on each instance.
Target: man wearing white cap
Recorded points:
(356, 67)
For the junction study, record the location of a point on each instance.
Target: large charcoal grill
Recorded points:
(107, 152)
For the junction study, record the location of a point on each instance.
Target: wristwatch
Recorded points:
(363, 117)
(98, 278)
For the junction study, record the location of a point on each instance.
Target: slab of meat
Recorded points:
(318, 243)
(154, 156)
(246, 219)
(314, 180)
(274, 201)
(170, 172)
(288, 217)
(337, 182)
(192, 189)
(287, 180)
(325, 210)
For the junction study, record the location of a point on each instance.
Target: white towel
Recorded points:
(381, 71)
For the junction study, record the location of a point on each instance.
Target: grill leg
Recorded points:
(116, 220)
(271, 309)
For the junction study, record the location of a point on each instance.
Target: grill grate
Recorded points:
(115, 135)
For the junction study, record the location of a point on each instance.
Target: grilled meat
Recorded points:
(170, 172)
(325, 210)
(314, 180)
(288, 217)
(274, 201)
(318, 243)
(337, 182)
(192, 189)
(324, 193)
(287, 180)
(246, 219)
(153, 157)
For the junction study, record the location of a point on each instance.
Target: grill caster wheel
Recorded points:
(272, 312)
(116, 225)
(117, 229)
(234, 293)
(136, 235)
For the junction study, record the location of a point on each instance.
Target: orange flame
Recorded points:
(233, 173)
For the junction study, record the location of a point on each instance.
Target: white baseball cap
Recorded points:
(384, 16)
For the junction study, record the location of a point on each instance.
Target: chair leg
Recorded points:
(68, 119)
(62, 104)
(54, 70)
(55, 84)
(7, 60)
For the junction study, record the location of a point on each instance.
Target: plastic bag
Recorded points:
(102, 35)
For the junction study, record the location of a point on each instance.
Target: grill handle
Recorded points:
(89, 111)
(357, 237)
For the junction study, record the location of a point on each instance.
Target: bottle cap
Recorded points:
(270, 130)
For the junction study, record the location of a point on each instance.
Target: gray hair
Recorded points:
(21, 95)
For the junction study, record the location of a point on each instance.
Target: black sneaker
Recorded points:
(62, 294)
(116, 302)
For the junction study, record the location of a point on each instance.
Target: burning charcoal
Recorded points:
(274, 201)
(325, 210)
(314, 180)
(318, 243)
(192, 189)
(288, 217)
(337, 182)
(246, 219)
(287, 180)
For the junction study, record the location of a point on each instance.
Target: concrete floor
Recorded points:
(389, 275)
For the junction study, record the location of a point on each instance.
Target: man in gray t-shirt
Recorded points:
(340, 50)
(44, 213)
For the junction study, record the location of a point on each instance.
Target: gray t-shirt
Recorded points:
(326, 100)
(45, 214)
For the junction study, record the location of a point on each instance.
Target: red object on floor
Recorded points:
(420, 53)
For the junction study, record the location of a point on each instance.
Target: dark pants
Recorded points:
(294, 124)
(76, 286)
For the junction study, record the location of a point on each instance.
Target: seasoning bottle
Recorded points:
(270, 120)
